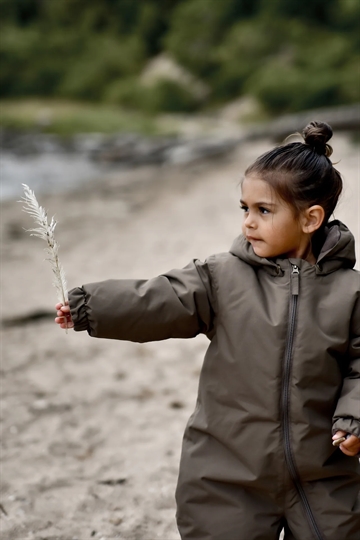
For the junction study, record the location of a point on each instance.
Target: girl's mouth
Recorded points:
(252, 239)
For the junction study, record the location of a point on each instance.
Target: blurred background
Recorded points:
(134, 121)
(164, 68)
(178, 56)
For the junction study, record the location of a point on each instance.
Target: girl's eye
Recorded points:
(264, 210)
(244, 208)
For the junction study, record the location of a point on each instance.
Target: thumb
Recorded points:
(339, 438)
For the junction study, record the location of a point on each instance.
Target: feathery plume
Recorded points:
(45, 231)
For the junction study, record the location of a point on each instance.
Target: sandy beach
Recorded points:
(85, 452)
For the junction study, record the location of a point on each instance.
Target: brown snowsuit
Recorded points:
(280, 375)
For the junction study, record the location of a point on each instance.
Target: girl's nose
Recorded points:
(249, 221)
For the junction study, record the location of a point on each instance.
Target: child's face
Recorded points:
(269, 222)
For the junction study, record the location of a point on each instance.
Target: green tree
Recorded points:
(316, 11)
(198, 26)
(289, 54)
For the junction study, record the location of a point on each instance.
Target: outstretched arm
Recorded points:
(178, 304)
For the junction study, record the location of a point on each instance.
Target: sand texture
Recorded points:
(92, 429)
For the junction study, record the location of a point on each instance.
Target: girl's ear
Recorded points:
(312, 219)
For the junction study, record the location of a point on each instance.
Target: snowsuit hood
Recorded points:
(338, 250)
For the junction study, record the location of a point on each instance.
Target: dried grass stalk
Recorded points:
(45, 231)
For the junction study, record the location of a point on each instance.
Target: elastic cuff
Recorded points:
(78, 309)
(349, 425)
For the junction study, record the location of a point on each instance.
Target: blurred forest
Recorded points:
(289, 55)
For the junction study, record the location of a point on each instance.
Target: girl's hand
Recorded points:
(351, 446)
(63, 318)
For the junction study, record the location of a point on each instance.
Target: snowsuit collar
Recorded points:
(338, 251)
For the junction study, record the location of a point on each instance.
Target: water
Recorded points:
(48, 163)
(44, 173)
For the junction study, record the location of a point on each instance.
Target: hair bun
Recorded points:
(316, 135)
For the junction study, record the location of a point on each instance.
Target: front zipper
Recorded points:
(294, 289)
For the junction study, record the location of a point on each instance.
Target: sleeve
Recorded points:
(178, 304)
(347, 412)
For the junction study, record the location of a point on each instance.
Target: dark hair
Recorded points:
(302, 173)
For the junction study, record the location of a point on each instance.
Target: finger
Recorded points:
(63, 320)
(66, 325)
(347, 452)
(61, 313)
(65, 309)
(351, 446)
(60, 305)
(352, 443)
(337, 442)
(338, 435)
(62, 316)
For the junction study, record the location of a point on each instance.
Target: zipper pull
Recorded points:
(295, 275)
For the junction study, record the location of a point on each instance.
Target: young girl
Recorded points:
(280, 380)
